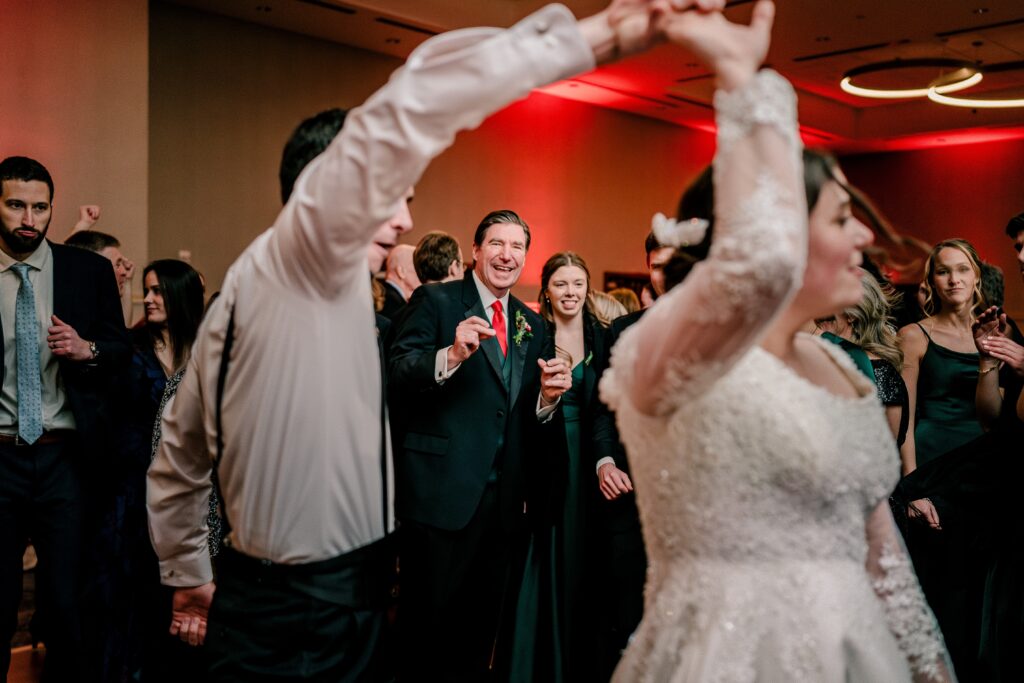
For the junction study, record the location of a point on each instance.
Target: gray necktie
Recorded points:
(26, 334)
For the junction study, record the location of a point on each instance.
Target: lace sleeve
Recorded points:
(697, 331)
(910, 619)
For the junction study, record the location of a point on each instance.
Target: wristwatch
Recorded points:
(93, 350)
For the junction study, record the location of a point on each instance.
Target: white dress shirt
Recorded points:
(56, 411)
(301, 412)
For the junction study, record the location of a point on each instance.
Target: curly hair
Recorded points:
(931, 305)
(871, 320)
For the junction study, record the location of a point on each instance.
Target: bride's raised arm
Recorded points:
(696, 331)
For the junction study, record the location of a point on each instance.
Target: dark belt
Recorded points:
(52, 436)
(362, 578)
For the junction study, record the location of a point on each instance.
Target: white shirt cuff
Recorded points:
(441, 369)
(544, 413)
(604, 461)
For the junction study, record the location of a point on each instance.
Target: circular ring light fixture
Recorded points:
(964, 75)
(937, 97)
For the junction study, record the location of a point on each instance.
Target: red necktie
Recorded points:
(498, 323)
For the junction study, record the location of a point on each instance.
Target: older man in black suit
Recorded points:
(469, 397)
(63, 340)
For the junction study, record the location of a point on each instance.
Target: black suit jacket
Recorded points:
(85, 297)
(620, 514)
(597, 426)
(447, 435)
(393, 301)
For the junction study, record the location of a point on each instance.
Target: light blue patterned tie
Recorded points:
(26, 334)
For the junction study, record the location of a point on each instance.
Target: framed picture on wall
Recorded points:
(634, 281)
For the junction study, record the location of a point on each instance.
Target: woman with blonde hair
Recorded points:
(940, 368)
(627, 297)
(940, 365)
(607, 307)
(867, 328)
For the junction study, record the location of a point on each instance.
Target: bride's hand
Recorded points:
(734, 52)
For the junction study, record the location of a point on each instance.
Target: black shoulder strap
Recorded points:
(383, 429)
(222, 375)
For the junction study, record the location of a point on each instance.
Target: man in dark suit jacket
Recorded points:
(469, 395)
(59, 307)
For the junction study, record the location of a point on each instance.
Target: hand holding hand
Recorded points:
(1004, 349)
(734, 52)
(991, 323)
(923, 508)
(189, 610)
(555, 379)
(65, 343)
(468, 335)
(612, 481)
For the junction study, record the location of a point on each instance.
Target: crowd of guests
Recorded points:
(951, 383)
(180, 463)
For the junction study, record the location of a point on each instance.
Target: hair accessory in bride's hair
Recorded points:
(672, 233)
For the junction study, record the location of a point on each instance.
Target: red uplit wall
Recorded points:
(967, 191)
(585, 178)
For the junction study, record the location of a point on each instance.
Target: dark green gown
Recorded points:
(551, 612)
(950, 562)
(946, 416)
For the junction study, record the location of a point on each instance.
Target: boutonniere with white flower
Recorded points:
(523, 330)
(672, 233)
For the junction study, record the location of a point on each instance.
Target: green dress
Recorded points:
(549, 635)
(946, 416)
(949, 563)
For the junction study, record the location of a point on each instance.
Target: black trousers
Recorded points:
(323, 621)
(41, 498)
(455, 588)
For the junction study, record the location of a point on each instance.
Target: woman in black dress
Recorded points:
(555, 623)
(130, 605)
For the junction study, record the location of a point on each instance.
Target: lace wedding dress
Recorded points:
(773, 556)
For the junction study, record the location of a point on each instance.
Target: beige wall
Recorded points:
(224, 96)
(75, 80)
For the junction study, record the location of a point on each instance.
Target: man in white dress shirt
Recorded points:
(293, 421)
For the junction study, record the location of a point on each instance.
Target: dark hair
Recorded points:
(650, 244)
(993, 285)
(1015, 225)
(562, 258)
(25, 169)
(309, 139)
(698, 201)
(182, 291)
(496, 217)
(433, 256)
(931, 307)
(92, 240)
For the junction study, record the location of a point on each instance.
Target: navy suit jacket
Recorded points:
(85, 297)
(447, 435)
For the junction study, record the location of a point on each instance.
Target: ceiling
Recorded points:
(814, 43)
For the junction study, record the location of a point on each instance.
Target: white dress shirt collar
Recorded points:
(487, 298)
(38, 260)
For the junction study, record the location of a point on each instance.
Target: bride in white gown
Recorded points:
(762, 457)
